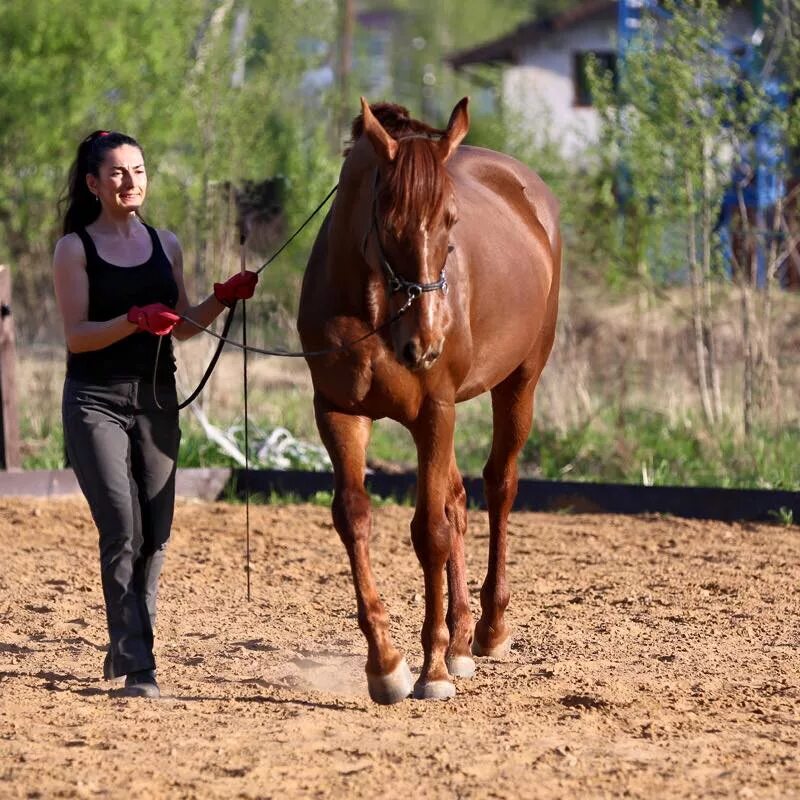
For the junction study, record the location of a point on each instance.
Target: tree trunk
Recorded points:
(708, 329)
(747, 345)
(747, 276)
(698, 306)
(344, 109)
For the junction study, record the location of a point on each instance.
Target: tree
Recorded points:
(672, 131)
(208, 88)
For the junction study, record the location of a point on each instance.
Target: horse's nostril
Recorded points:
(411, 353)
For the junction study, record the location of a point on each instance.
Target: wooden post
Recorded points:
(9, 418)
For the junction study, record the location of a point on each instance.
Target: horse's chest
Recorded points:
(372, 384)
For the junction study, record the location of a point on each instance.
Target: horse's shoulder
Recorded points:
(505, 176)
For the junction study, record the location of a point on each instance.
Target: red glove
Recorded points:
(240, 287)
(155, 318)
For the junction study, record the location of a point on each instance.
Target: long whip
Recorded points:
(243, 259)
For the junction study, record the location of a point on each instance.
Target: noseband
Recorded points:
(397, 283)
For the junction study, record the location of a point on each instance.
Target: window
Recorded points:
(606, 62)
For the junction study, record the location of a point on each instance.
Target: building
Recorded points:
(544, 67)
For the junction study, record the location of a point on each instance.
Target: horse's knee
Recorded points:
(351, 513)
(457, 502)
(431, 538)
(501, 484)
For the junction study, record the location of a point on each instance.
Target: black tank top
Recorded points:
(112, 291)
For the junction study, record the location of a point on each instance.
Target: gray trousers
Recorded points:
(124, 450)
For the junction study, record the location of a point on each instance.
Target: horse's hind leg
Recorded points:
(346, 438)
(512, 412)
(459, 617)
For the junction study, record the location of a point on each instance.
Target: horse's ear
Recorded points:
(384, 145)
(457, 129)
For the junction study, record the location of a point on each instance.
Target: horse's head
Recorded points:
(414, 210)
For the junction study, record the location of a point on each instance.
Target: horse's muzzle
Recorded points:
(415, 358)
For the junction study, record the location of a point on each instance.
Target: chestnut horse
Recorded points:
(453, 254)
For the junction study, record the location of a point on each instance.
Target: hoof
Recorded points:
(499, 651)
(434, 690)
(391, 688)
(461, 666)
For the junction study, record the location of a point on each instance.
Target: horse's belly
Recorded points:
(502, 342)
(488, 370)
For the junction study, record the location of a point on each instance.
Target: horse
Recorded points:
(433, 278)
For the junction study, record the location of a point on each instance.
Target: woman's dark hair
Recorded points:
(83, 207)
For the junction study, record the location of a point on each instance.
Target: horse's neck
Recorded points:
(351, 219)
(350, 276)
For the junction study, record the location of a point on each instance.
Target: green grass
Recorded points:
(322, 498)
(42, 444)
(640, 446)
(634, 446)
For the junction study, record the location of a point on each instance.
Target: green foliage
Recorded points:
(626, 446)
(42, 443)
(208, 105)
(424, 34)
(783, 516)
(665, 126)
(639, 446)
(169, 73)
(782, 58)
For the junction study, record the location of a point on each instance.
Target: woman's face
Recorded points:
(121, 184)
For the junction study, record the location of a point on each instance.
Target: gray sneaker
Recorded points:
(141, 684)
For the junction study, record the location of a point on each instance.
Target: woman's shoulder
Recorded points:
(69, 248)
(167, 236)
(170, 243)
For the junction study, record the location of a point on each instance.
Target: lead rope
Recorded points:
(246, 429)
(224, 337)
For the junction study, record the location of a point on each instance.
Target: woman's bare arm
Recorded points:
(72, 295)
(203, 313)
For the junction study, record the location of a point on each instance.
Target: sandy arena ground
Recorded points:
(653, 658)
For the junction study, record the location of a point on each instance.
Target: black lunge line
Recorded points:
(226, 328)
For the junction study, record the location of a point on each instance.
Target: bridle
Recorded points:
(394, 282)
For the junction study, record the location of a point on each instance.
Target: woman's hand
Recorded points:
(239, 287)
(155, 318)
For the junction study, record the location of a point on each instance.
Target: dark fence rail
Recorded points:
(533, 495)
(540, 495)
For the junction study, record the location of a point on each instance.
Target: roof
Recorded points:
(506, 47)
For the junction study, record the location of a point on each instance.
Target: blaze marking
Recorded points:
(427, 306)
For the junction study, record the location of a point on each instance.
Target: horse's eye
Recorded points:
(450, 248)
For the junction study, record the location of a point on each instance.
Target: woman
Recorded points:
(119, 286)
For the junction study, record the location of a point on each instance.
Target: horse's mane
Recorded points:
(413, 191)
(397, 121)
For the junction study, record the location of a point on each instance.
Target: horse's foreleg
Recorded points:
(459, 617)
(512, 412)
(346, 437)
(431, 535)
